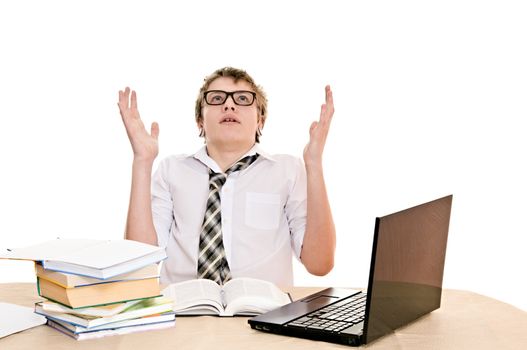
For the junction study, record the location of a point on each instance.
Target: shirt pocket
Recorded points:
(262, 210)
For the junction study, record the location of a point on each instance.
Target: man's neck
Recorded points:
(226, 155)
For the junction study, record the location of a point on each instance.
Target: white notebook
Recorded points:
(90, 257)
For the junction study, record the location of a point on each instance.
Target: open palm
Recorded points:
(318, 132)
(145, 145)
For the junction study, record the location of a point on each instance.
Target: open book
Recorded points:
(239, 296)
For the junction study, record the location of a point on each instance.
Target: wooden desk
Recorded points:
(465, 321)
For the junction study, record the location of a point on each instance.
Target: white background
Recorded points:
(429, 96)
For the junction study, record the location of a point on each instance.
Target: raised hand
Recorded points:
(318, 247)
(318, 132)
(144, 144)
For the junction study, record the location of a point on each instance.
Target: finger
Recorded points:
(133, 100)
(325, 121)
(312, 129)
(329, 100)
(124, 97)
(121, 104)
(126, 94)
(323, 114)
(328, 92)
(121, 97)
(154, 130)
(120, 109)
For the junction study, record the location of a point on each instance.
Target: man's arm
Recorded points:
(318, 248)
(139, 224)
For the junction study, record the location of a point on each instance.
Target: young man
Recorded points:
(231, 210)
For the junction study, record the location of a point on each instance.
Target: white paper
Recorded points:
(16, 318)
(49, 250)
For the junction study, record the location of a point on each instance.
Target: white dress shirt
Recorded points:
(263, 215)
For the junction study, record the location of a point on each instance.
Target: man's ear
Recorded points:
(200, 127)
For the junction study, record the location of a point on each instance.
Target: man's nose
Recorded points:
(229, 104)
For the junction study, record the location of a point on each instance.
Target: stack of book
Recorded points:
(98, 288)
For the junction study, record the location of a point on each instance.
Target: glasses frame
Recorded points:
(231, 94)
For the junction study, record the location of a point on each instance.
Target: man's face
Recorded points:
(230, 123)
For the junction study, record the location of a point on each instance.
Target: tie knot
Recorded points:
(217, 180)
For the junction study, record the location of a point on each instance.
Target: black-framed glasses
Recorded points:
(218, 97)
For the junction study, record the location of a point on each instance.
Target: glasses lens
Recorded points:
(215, 97)
(244, 98)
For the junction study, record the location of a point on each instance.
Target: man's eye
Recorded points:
(217, 98)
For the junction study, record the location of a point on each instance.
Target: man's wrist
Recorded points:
(142, 162)
(314, 167)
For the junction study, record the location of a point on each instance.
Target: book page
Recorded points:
(197, 297)
(252, 296)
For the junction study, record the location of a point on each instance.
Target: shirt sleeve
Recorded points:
(162, 205)
(296, 206)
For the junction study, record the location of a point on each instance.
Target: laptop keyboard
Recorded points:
(334, 317)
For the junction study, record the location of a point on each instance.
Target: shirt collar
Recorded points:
(204, 158)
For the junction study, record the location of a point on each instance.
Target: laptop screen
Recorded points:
(406, 274)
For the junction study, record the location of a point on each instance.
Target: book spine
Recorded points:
(61, 329)
(38, 286)
(54, 281)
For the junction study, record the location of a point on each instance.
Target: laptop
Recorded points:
(405, 283)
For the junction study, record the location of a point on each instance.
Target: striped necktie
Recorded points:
(212, 263)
